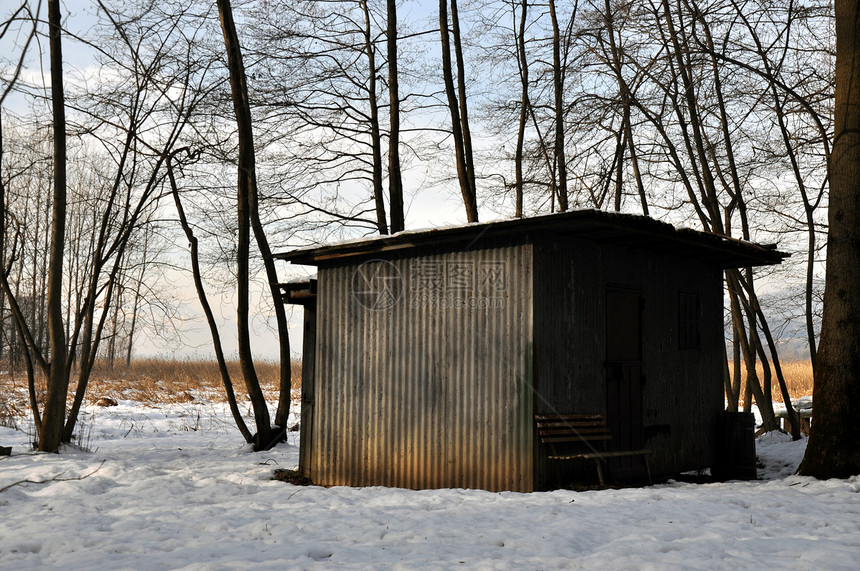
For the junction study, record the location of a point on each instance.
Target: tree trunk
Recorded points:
(463, 101)
(395, 182)
(626, 127)
(466, 189)
(833, 450)
(750, 346)
(523, 63)
(5, 339)
(375, 137)
(734, 396)
(558, 89)
(207, 309)
(114, 326)
(620, 145)
(755, 307)
(136, 304)
(245, 188)
(58, 382)
(634, 162)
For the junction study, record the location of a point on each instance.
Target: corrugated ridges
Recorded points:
(426, 394)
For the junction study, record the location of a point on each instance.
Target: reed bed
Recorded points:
(155, 381)
(798, 379)
(151, 381)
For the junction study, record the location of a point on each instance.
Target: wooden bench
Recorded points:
(588, 429)
(805, 415)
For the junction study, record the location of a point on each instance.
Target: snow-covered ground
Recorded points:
(173, 487)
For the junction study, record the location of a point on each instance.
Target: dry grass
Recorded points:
(798, 379)
(154, 381)
(13, 400)
(10, 410)
(151, 381)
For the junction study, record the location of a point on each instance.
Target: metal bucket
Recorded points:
(735, 454)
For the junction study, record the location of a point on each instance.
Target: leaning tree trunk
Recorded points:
(193, 245)
(245, 190)
(834, 443)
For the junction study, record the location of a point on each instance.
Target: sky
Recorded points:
(190, 337)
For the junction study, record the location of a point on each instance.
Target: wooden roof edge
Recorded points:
(730, 252)
(748, 253)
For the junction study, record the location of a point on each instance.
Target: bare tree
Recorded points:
(54, 416)
(458, 108)
(248, 220)
(326, 126)
(109, 201)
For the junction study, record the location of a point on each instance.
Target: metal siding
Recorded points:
(426, 395)
(569, 339)
(569, 333)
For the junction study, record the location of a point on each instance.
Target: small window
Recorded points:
(689, 320)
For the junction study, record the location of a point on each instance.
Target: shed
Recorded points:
(428, 354)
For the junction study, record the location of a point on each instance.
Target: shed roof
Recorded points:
(628, 230)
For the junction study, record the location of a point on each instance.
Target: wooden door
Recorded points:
(624, 379)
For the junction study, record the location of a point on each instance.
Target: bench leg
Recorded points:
(648, 469)
(597, 462)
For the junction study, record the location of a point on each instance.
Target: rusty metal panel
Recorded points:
(423, 371)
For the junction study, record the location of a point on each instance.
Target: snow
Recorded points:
(173, 487)
(802, 405)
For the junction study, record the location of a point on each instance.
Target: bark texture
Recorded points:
(834, 443)
(395, 182)
(558, 92)
(53, 420)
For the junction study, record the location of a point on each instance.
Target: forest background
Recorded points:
(371, 117)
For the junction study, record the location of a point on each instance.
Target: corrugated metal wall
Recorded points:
(423, 372)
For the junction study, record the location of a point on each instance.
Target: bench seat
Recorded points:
(588, 429)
